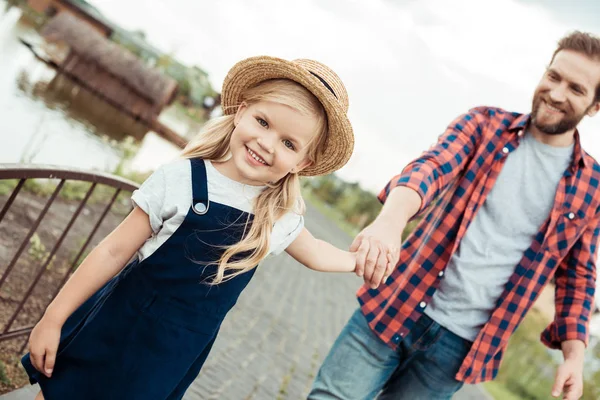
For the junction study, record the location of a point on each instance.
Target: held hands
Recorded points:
(377, 250)
(43, 344)
(569, 380)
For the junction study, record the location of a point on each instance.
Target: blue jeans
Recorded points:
(360, 366)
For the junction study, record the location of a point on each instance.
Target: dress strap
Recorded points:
(199, 187)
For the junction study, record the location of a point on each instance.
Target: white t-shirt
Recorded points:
(166, 196)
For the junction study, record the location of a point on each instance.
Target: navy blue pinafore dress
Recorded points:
(147, 332)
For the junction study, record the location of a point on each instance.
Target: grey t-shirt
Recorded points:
(504, 227)
(166, 196)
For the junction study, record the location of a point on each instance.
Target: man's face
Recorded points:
(566, 93)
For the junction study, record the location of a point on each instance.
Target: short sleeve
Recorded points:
(286, 230)
(150, 197)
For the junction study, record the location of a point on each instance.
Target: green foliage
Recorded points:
(527, 370)
(28, 14)
(128, 148)
(37, 250)
(347, 204)
(331, 213)
(357, 206)
(3, 375)
(7, 186)
(499, 391)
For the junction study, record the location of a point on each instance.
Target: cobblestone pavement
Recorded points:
(273, 341)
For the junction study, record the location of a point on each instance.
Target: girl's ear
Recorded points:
(240, 111)
(301, 165)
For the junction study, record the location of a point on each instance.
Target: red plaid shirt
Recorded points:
(459, 171)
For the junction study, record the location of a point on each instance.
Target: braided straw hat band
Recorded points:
(320, 80)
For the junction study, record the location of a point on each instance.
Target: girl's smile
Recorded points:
(269, 141)
(255, 158)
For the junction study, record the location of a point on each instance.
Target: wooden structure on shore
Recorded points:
(110, 69)
(80, 9)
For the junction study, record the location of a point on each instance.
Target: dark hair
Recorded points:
(583, 43)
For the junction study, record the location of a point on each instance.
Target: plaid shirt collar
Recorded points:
(579, 158)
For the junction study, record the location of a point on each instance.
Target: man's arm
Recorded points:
(574, 299)
(433, 171)
(575, 288)
(412, 191)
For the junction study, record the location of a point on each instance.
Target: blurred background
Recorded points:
(139, 78)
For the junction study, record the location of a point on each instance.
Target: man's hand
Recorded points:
(569, 380)
(378, 250)
(378, 245)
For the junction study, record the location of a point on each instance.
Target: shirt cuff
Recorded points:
(564, 329)
(413, 181)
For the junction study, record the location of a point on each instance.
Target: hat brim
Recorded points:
(251, 71)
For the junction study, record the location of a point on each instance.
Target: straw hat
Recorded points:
(320, 80)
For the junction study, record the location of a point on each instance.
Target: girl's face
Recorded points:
(269, 141)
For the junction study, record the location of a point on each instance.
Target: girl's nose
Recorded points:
(265, 144)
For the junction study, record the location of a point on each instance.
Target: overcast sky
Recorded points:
(409, 66)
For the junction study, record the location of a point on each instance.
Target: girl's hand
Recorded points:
(378, 250)
(103, 263)
(43, 344)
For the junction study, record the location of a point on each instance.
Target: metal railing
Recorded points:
(22, 173)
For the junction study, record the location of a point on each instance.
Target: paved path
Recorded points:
(273, 341)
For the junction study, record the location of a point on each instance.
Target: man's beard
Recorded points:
(568, 121)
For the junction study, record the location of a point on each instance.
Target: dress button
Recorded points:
(200, 208)
(505, 150)
(441, 273)
(422, 304)
(571, 215)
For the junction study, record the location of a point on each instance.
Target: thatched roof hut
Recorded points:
(89, 45)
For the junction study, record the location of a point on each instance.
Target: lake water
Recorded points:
(46, 119)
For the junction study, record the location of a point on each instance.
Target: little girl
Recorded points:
(200, 226)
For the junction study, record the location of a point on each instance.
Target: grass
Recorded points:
(72, 190)
(527, 371)
(3, 375)
(499, 392)
(331, 213)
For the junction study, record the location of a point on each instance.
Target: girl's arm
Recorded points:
(319, 255)
(104, 262)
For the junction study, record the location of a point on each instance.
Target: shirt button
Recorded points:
(422, 304)
(441, 273)
(505, 150)
(571, 215)
(396, 338)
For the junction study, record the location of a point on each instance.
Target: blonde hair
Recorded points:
(278, 198)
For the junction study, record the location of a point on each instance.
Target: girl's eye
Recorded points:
(287, 143)
(262, 122)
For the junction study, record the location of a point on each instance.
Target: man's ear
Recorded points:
(301, 165)
(593, 110)
(240, 111)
